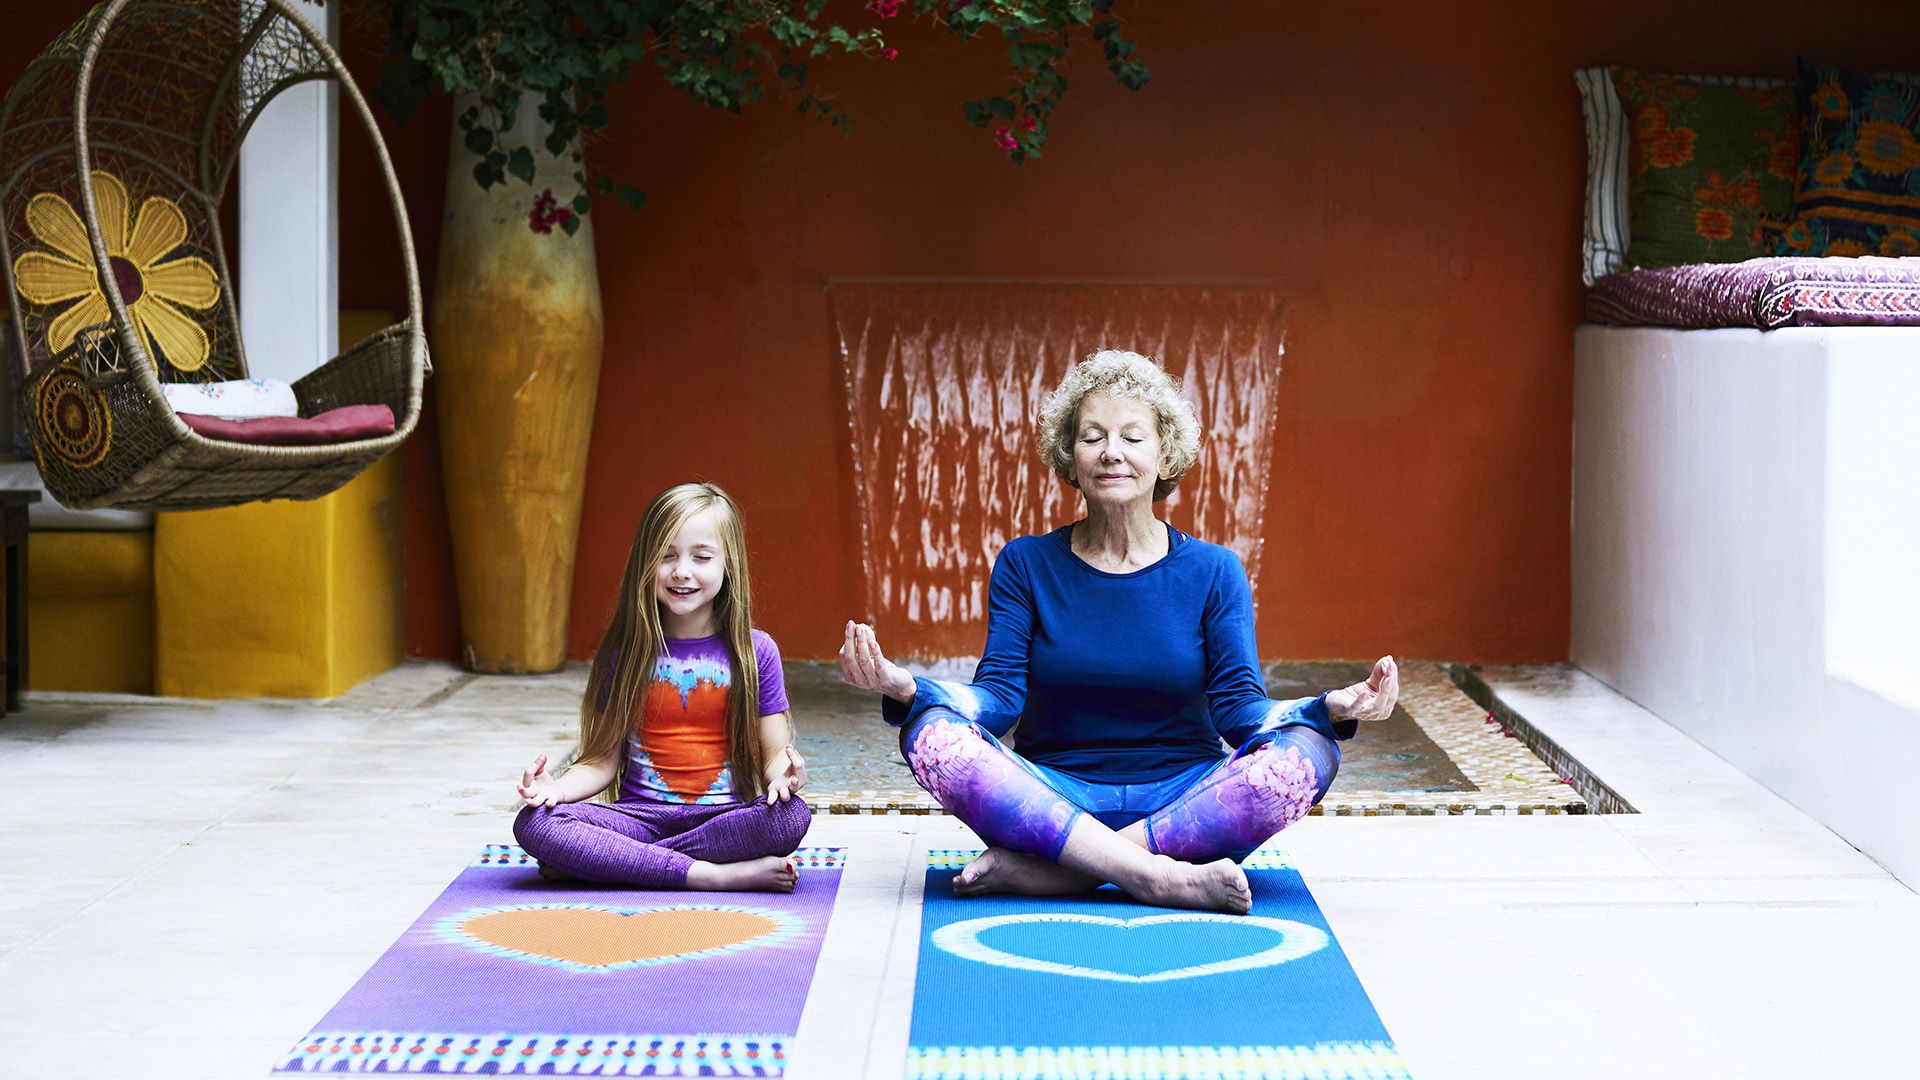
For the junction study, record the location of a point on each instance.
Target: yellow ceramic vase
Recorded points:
(516, 331)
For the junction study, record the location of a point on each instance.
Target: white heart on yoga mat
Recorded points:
(1297, 939)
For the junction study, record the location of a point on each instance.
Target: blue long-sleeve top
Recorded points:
(1119, 678)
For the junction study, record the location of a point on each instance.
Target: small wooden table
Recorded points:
(13, 599)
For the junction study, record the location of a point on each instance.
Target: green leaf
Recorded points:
(483, 174)
(604, 185)
(631, 196)
(520, 164)
(571, 225)
(479, 140)
(581, 204)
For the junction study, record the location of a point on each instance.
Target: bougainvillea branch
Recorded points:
(725, 54)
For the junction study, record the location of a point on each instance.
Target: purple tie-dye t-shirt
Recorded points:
(678, 752)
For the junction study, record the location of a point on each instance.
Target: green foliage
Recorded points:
(724, 54)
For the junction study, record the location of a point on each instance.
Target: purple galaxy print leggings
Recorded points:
(1261, 789)
(651, 844)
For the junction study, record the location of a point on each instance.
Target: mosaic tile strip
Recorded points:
(956, 858)
(1509, 777)
(906, 802)
(514, 1054)
(806, 858)
(1599, 796)
(1321, 1061)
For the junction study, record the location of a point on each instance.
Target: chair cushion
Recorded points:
(346, 424)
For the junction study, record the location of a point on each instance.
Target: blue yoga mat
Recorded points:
(1098, 986)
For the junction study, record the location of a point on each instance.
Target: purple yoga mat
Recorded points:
(481, 984)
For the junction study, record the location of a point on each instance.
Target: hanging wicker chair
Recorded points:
(116, 147)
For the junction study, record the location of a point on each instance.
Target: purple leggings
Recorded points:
(1261, 789)
(651, 844)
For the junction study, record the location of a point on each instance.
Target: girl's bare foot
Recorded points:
(554, 873)
(771, 873)
(998, 870)
(1216, 886)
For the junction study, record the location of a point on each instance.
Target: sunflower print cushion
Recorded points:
(1859, 190)
(1709, 168)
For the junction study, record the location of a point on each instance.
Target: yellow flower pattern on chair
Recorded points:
(153, 291)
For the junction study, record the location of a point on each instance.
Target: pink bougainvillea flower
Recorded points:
(889, 54)
(1029, 121)
(153, 291)
(546, 213)
(1003, 137)
(886, 9)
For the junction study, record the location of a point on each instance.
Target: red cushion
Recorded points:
(344, 424)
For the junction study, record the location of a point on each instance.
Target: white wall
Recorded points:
(289, 225)
(1733, 568)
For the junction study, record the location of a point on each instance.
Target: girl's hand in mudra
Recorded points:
(1370, 700)
(786, 775)
(862, 664)
(537, 786)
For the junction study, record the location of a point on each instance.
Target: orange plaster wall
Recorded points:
(1410, 174)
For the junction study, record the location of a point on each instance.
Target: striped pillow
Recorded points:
(1604, 248)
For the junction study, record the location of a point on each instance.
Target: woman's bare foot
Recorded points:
(1216, 886)
(771, 873)
(998, 870)
(553, 873)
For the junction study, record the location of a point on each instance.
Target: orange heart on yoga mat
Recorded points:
(600, 938)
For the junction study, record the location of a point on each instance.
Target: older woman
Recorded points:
(1124, 650)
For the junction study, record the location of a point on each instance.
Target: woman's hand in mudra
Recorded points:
(862, 664)
(1370, 700)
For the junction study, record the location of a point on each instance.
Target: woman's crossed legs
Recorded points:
(1182, 854)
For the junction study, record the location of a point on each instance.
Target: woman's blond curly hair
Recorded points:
(1121, 374)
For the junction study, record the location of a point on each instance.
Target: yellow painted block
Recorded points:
(283, 599)
(90, 611)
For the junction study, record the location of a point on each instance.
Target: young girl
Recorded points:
(685, 716)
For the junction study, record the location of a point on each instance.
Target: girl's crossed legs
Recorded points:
(1052, 834)
(656, 845)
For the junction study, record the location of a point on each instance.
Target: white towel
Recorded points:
(241, 399)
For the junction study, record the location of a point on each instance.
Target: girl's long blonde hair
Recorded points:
(623, 666)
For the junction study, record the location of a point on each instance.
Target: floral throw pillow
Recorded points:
(1709, 168)
(1859, 189)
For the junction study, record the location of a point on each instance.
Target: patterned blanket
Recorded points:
(1767, 293)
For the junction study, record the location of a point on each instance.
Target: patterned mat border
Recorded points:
(508, 1053)
(508, 856)
(1321, 1061)
(956, 858)
(1489, 745)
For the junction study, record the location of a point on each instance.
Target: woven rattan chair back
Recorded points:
(117, 145)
